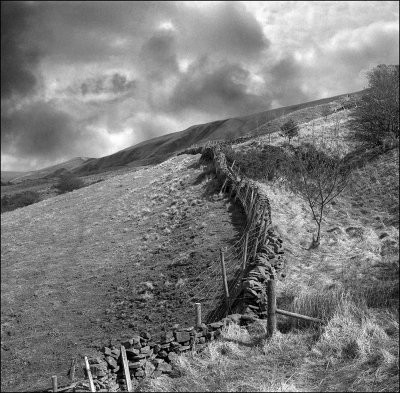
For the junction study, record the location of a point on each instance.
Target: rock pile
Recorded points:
(147, 358)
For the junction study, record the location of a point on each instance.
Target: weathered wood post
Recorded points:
(54, 383)
(262, 222)
(126, 369)
(225, 281)
(245, 197)
(255, 249)
(72, 370)
(246, 243)
(198, 314)
(271, 322)
(89, 374)
(223, 186)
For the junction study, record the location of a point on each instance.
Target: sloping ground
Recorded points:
(351, 280)
(158, 149)
(67, 165)
(9, 175)
(103, 262)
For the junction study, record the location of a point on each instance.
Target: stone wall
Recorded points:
(147, 358)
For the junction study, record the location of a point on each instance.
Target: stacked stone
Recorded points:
(268, 264)
(147, 358)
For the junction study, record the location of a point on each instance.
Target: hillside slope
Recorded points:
(102, 262)
(158, 149)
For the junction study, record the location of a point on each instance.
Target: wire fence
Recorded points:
(209, 284)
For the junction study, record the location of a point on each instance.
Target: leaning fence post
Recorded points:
(262, 222)
(89, 373)
(255, 249)
(223, 186)
(198, 314)
(54, 383)
(126, 369)
(246, 243)
(224, 276)
(271, 322)
(72, 370)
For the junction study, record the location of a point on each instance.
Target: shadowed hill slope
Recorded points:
(158, 149)
(69, 165)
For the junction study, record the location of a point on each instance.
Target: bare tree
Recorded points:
(318, 178)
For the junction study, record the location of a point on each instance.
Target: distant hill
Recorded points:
(159, 149)
(9, 175)
(54, 170)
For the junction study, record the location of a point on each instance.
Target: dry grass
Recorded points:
(350, 281)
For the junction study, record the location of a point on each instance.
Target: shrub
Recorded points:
(376, 117)
(69, 183)
(258, 164)
(290, 129)
(12, 202)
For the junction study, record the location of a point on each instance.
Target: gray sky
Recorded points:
(91, 78)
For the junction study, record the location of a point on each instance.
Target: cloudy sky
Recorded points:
(91, 78)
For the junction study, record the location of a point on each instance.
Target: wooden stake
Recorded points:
(245, 197)
(72, 370)
(223, 186)
(232, 189)
(198, 314)
(251, 200)
(126, 369)
(89, 373)
(246, 243)
(271, 323)
(225, 281)
(54, 382)
(255, 250)
(262, 222)
(299, 316)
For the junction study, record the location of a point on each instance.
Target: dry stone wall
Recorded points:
(147, 358)
(266, 255)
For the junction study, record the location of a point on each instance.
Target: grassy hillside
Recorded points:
(158, 149)
(111, 258)
(351, 281)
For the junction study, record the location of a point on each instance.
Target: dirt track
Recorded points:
(103, 262)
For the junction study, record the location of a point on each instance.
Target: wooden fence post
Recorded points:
(223, 186)
(54, 383)
(232, 189)
(198, 314)
(251, 200)
(262, 222)
(126, 369)
(89, 373)
(271, 322)
(246, 243)
(72, 370)
(245, 197)
(224, 277)
(255, 249)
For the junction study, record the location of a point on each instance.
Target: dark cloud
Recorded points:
(224, 29)
(18, 57)
(40, 131)
(220, 89)
(284, 80)
(116, 83)
(158, 56)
